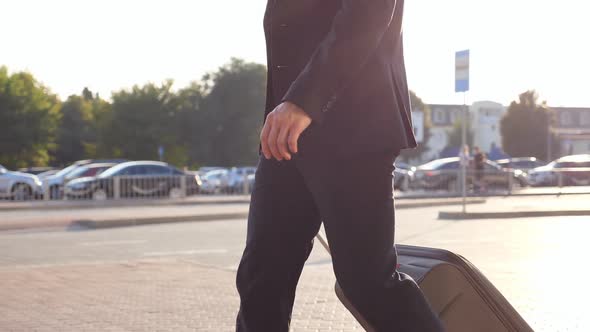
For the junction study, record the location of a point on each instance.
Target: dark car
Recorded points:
(524, 164)
(135, 179)
(444, 174)
(571, 170)
(55, 182)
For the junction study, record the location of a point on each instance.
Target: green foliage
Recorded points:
(76, 138)
(212, 122)
(525, 127)
(232, 113)
(142, 119)
(29, 116)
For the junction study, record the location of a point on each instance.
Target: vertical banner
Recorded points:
(462, 71)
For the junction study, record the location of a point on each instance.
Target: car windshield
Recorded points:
(214, 174)
(112, 171)
(66, 170)
(77, 172)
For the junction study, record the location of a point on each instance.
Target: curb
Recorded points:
(126, 222)
(411, 205)
(113, 223)
(65, 205)
(445, 215)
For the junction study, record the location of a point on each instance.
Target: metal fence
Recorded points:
(495, 182)
(416, 183)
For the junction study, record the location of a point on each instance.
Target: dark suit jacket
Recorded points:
(342, 62)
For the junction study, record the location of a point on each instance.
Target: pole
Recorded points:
(464, 159)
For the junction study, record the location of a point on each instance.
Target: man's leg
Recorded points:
(355, 199)
(282, 223)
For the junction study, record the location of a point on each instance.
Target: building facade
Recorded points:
(571, 128)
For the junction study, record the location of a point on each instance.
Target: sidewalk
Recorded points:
(511, 207)
(109, 216)
(156, 295)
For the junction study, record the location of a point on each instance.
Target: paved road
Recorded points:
(181, 276)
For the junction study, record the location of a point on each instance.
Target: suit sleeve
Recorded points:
(355, 34)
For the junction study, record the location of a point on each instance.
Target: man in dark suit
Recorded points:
(337, 115)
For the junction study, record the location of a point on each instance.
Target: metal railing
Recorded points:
(477, 182)
(418, 183)
(129, 187)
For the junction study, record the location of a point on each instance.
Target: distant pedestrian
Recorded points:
(479, 160)
(464, 156)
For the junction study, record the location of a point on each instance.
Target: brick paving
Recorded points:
(150, 295)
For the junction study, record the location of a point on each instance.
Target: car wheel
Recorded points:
(99, 195)
(175, 193)
(21, 192)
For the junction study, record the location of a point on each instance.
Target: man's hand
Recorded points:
(282, 129)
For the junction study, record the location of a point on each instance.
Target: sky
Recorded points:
(108, 45)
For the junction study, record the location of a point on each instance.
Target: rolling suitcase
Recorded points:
(465, 300)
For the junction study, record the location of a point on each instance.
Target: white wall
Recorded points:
(485, 123)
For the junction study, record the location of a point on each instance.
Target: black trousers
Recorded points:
(353, 197)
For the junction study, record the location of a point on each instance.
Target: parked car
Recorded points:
(444, 174)
(19, 186)
(574, 170)
(47, 174)
(405, 166)
(237, 175)
(524, 164)
(87, 170)
(215, 181)
(402, 178)
(136, 179)
(403, 175)
(35, 170)
(206, 169)
(56, 182)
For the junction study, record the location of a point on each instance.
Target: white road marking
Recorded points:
(111, 243)
(185, 252)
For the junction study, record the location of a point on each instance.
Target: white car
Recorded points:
(19, 186)
(215, 181)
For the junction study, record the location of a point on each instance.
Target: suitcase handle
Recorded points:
(323, 241)
(345, 301)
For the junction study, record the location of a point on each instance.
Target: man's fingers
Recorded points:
(264, 139)
(272, 142)
(294, 138)
(282, 142)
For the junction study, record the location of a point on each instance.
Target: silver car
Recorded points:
(19, 186)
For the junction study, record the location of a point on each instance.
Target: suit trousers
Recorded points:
(353, 197)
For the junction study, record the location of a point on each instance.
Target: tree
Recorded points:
(419, 106)
(76, 138)
(525, 127)
(29, 115)
(232, 114)
(142, 120)
(191, 125)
